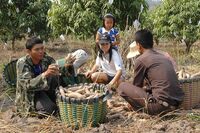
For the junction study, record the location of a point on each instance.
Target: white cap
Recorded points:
(81, 58)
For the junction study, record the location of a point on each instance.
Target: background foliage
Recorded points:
(178, 20)
(83, 17)
(23, 17)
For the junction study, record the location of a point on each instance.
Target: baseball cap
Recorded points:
(104, 38)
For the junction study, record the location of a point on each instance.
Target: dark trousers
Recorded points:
(45, 100)
(138, 98)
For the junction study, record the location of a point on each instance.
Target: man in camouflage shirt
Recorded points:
(37, 79)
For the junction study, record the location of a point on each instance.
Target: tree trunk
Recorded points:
(188, 46)
(156, 40)
(13, 44)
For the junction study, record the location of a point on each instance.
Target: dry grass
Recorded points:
(178, 121)
(190, 61)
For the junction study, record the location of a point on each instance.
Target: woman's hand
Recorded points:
(110, 86)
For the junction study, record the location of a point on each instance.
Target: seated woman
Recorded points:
(109, 61)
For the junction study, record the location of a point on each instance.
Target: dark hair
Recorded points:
(145, 38)
(109, 16)
(100, 54)
(30, 43)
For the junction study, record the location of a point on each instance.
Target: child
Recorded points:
(108, 27)
(110, 61)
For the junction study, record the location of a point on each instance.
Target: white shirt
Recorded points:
(113, 66)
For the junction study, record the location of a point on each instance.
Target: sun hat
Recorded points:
(81, 58)
(133, 52)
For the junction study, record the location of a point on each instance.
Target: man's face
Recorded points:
(37, 52)
(139, 48)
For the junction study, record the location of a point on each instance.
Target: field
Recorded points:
(120, 119)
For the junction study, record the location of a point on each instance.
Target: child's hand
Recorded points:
(115, 43)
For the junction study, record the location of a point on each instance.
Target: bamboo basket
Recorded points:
(191, 88)
(85, 112)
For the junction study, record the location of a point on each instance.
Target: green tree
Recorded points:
(83, 17)
(20, 17)
(178, 20)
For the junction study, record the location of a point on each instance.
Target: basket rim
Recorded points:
(188, 80)
(80, 101)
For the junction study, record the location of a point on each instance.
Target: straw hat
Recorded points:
(133, 50)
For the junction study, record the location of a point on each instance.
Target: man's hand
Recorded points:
(70, 59)
(53, 69)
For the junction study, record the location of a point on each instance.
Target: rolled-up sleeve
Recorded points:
(117, 62)
(97, 63)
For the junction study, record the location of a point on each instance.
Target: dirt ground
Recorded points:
(119, 118)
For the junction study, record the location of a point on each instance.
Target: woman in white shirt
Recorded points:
(109, 61)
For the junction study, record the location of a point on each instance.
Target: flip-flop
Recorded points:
(108, 95)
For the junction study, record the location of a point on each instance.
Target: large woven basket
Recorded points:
(191, 88)
(83, 113)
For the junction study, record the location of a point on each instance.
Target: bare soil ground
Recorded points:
(120, 119)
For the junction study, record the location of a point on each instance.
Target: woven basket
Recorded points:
(85, 112)
(10, 73)
(191, 88)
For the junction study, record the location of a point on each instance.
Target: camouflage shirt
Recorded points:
(28, 83)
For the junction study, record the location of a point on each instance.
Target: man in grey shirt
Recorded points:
(155, 87)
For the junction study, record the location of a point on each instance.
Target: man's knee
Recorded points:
(43, 103)
(53, 81)
(48, 108)
(52, 109)
(121, 87)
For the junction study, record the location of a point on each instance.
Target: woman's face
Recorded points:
(105, 47)
(108, 22)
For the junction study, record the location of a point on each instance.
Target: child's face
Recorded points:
(108, 23)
